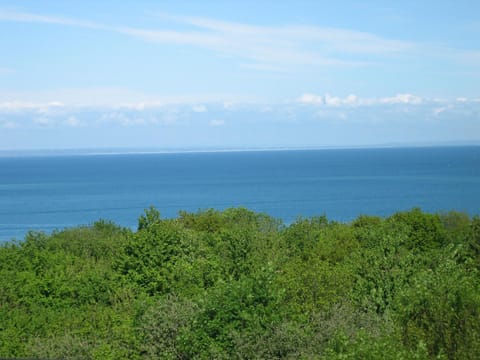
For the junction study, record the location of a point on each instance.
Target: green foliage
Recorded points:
(238, 284)
(303, 235)
(318, 278)
(236, 247)
(366, 221)
(474, 240)
(150, 256)
(425, 231)
(164, 325)
(457, 226)
(314, 286)
(148, 219)
(380, 271)
(208, 221)
(241, 308)
(442, 309)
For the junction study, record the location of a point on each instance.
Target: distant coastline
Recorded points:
(150, 151)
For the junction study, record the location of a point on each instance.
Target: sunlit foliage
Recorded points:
(239, 284)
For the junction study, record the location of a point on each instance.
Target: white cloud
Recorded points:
(311, 99)
(354, 100)
(332, 100)
(351, 100)
(217, 122)
(402, 99)
(349, 108)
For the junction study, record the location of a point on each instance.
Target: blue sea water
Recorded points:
(53, 192)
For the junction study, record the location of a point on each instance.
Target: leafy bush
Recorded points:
(237, 284)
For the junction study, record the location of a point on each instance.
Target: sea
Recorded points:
(55, 191)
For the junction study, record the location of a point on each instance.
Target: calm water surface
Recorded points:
(53, 192)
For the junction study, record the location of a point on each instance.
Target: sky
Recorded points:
(238, 74)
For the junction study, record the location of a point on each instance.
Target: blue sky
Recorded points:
(238, 74)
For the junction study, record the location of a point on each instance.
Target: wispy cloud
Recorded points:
(267, 48)
(274, 48)
(279, 49)
(11, 15)
(331, 38)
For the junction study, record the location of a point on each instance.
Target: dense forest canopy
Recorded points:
(238, 284)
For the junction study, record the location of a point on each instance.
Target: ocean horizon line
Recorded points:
(153, 151)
